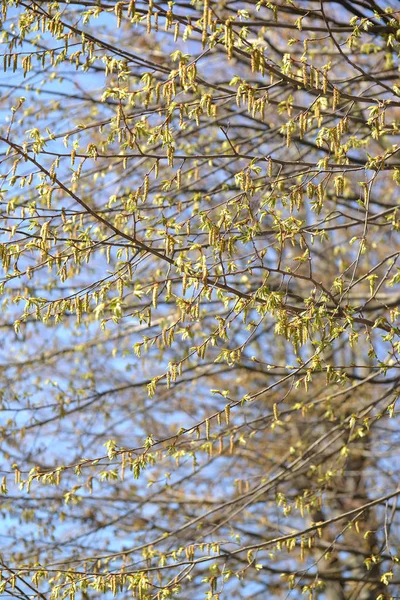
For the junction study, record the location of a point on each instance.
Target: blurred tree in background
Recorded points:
(200, 344)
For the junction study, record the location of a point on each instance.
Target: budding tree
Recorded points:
(200, 299)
